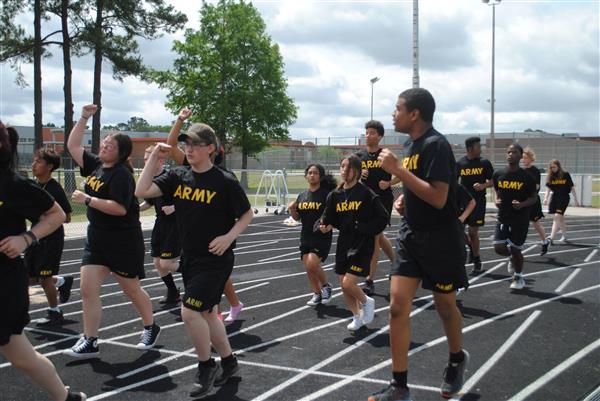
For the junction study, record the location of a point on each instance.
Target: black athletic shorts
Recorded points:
(164, 242)
(436, 256)
(318, 246)
(14, 298)
(121, 251)
(535, 213)
(477, 217)
(204, 279)
(358, 264)
(558, 204)
(513, 234)
(43, 260)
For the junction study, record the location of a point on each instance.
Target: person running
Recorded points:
(164, 243)
(535, 212)
(515, 194)
(431, 245)
(380, 182)
(212, 211)
(475, 174)
(43, 260)
(359, 215)
(21, 199)
(178, 156)
(314, 245)
(114, 243)
(559, 184)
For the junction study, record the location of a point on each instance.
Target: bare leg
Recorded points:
(50, 291)
(198, 332)
(218, 335)
(353, 294)
(138, 296)
(230, 293)
(474, 239)
(402, 292)
(540, 229)
(445, 305)
(92, 277)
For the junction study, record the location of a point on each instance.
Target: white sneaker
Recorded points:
(368, 311)
(355, 324)
(510, 267)
(517, 282)
(562, 239)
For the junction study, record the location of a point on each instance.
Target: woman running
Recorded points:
(314, 245)
(535, 213)
(21, 199)
(559, 184)
(114, 243)
(359, 216)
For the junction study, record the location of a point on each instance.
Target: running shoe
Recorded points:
(476, 266)
(234, 311)
(84, 348)
(52, 318)
(205, 379)
(326, 293)
(171, 298)
(517, 282)
(355, 324)
(368, 310)
(64, 291)
(392, 392)
(75, 396)
(454, 376)
(227, 370)
(545, 245)
(509, 267)
(369, 288)
(314, 300)
(563, 239)
(149, 337)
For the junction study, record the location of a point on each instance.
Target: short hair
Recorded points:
(471, 141)
(529, 152)
(377, 125)
(49, 156)
(420, 99)
(516, 146)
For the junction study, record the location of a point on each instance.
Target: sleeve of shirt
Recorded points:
(376, 223)
(495, 179)
(90, 163)
(31, 199)
(238, 201)
(61, 198)
(436, 157)
(329, 214)
(489, 170)
(166, 182)
(121, 187)
(531, 189)
(569, 181)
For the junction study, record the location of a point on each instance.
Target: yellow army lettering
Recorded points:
(45, 273)
(166, 254)
(196, 195)
(193, 302)
(94, 183)
(510, 185)
(309, 205)
(347, 206)
(355, 268)
(369, 164)
(558, 182)
(1, 203)
(411, 163)
(445, 287)
(471, 171)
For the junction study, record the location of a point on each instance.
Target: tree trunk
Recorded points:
(69, 184)
(244, 180)
(97, 98)
(37, 76)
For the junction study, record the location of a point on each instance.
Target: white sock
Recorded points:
(60, 280)
(57, 309)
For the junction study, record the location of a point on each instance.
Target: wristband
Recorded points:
(180, 119)
(34, 239)
(84, 117)
(88, 200)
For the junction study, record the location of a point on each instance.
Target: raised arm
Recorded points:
(176, 153)
(145, 188)
(76, 136)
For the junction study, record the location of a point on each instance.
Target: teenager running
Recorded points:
(475, 174)
(212, 211)
(515, 194)
(535, 212)
(431, 245)
(178, 156)
(114, 243)
(359, 215)
(560, 185)
(380, 182)
(164, 243)
(21, 199)
(314, 245)
(43, 260)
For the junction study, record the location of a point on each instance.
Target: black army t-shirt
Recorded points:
(207, 205)
(430, 158)
(560, 187)
(472, 171)
(534, 172)
(158, 203)
(115, 183)
(370, 162)
(513, 185)
(310, 206)
(20, 199)
(57, 192)
(463, 197)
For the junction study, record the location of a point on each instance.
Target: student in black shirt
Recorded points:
(431, 246)
(560, 185)
(20, 200)
(217, 158)
(535, 212)
(515, 194)
(475, 174)
(43, 260)
(164, 244)
(114, 243)
(212, 210)
(359, 215)
(314, 245)
(380, 182)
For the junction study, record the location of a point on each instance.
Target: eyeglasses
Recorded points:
(194, 144)
(108, 146)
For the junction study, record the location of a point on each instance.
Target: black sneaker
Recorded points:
(326, 293)
(476, 266)
(393, 392)
(369, 288)
(205, 379)
(314, 300)
(172, 298)
(454, 376)
(84, 348)
(545, 246)
(149, 337)
(52, 318)
(75, 396)
(227, 370)
(64, 291)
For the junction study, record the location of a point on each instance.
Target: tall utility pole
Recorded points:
(493, 3)
(373, 80)
(415, 79)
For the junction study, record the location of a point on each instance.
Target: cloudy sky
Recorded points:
(547, 66)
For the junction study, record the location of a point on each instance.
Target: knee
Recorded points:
(347, 285)
(501, 249)
(399, 308)
(446, 310)
(89, 291)
(188, 315)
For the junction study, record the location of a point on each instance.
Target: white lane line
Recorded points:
(279, 256)
(529, 249)
(326, 390)
(489, 364)
(591, 255)
(567, 280)
(256, 245)
(557, 370)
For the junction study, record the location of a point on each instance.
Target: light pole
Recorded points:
(373, 80)
(493, 3)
